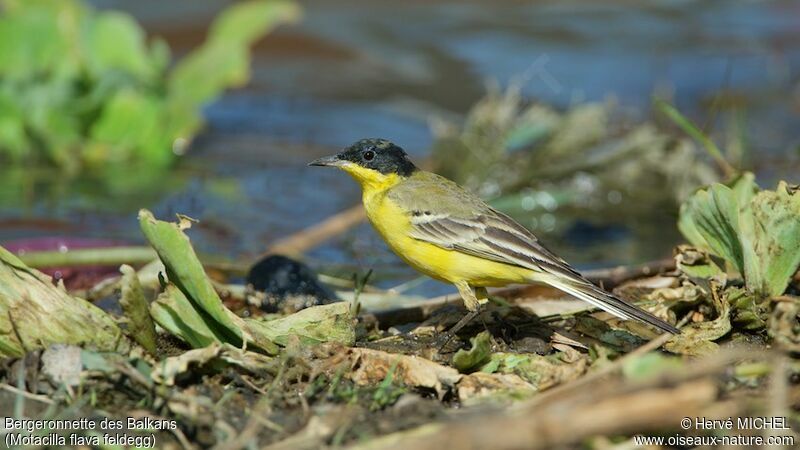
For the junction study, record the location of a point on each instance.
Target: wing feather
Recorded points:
(454, 219)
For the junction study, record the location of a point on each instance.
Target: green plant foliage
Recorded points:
(540, 371)
(84, 88)
(191, 309)
(651, 365)
(698, 338)
(322, 323)
(757, 233)
(140, 325)
(468, 360)
(35, 313)
(186, 273)
(175, 313)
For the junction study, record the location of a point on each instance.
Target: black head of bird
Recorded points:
(378, 155)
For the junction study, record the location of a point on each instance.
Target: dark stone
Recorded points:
(290, 285)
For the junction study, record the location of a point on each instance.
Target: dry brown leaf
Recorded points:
(372, 366)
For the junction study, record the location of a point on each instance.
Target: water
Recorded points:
(361, 68)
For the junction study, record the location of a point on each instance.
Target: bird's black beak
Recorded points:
(332, 161)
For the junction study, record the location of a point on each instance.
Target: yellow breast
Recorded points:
(394, 224)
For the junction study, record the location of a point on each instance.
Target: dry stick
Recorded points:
(26, 394)
(105, 256)
(314, 235)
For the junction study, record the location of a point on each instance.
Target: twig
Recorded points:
(313, 236)
(26, 394)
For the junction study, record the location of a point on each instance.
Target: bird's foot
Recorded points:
(448, 336)
(446, 342)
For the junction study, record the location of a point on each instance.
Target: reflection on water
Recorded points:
(364, 68)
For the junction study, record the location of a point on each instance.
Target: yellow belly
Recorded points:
(436, 262)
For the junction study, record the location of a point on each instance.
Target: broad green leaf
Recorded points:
(14, 142)
(744, 188)
(323, 323)
(772, 237)
(30, 41)
(114, 41)
(245, 22)
(710, 220)
(93, 91)
(129, 121)
(205, 73)
(185, 271)
(747, 311)
(34, 313)
(696, 263)
(173, 312)
(223, 60)
(759, 234)
(541, 371)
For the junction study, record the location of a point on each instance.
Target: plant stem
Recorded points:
(107, 256)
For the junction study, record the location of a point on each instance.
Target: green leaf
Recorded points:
(541, 371)
(747, 311)
(32, 38)
(114, 41)
(173, 312)
(223, 61)
(697, 338)
(245, 22)
(323, 323)
(710, 220)
(86, 88)
(185, 271)
(14, 142)
(695, 263)
(140, 324)
(651, 365)
(771, 235)
(480, 353)
(34, 313)
(759, 234)
(130, 121)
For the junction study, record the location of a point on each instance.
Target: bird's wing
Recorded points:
(443, 214)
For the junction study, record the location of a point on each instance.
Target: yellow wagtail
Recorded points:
(451, 235)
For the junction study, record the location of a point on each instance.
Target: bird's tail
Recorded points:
(588, 292)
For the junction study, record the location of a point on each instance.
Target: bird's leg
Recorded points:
(473, 304)
(472, 301)
(483, 296)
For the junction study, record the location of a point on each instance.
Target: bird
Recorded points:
(451, 235)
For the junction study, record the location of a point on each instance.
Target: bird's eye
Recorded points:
(369, 155)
